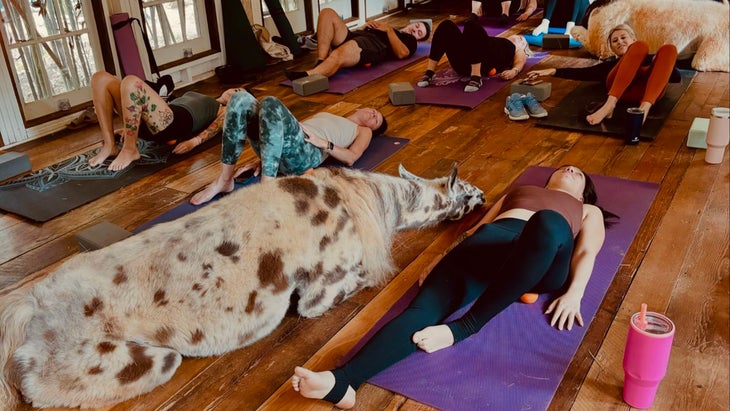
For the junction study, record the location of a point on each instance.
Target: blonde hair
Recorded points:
(625, 27)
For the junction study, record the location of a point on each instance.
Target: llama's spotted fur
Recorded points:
(114, 323)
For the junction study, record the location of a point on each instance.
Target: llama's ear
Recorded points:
(407, 174)
(452, 176)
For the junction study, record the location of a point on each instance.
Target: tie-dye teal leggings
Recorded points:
(273, 132)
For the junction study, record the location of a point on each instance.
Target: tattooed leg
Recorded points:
(105, 94)
(139, 104)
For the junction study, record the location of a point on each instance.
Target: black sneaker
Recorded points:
(425, 80)
(473, 85)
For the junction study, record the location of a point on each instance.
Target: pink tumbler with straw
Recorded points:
(646, 356)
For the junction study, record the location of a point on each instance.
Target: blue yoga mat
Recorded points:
(537, 40)
(516, 362)
(380, 148)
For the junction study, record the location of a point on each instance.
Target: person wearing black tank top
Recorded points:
(185, 122)
(513, 251)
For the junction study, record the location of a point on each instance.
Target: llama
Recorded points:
(114, 323)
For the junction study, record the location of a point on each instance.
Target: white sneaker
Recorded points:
(569, 27)
(542, 28)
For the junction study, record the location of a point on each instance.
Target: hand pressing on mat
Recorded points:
(566, 311)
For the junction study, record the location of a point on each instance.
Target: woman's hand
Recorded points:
(566, 311)
(186, 146)
(540, 73)
(508, 74)
(378, 25)
(255, 166)
(316, 141)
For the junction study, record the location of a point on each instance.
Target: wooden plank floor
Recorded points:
(678, 262)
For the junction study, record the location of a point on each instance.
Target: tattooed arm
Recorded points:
(204, 135)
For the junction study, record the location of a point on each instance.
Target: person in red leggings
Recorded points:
(633, 76)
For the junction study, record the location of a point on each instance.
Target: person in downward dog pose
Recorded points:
(283, 144)
(534, 239)
(186, 121)
(634, 75)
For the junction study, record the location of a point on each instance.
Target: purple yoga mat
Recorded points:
(380, 148)
(448, 88)
(348, 79)
(517, 361)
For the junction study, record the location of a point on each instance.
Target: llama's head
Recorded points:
(462, 196)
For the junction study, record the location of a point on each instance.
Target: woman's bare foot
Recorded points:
(124, 159)
(105, 152)
(220, 185)
(434, 338)
(606, 111)
(311, 384)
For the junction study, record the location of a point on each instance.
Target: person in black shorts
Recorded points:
(186, 121)
(475, 53)
(339, 47)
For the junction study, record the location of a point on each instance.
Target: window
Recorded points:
(287, 5)
(177, 28)
(49, 47)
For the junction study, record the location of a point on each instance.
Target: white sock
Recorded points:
(542, 28)
(568, 27)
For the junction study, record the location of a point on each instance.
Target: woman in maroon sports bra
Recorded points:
(534, 239)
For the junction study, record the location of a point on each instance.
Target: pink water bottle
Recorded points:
(646, 356)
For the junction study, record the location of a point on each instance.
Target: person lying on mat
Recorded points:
(634, 76)
(475, 53)
(526, 8)
(285, 145)
(533, 240)
(338, 47)
(189, 120)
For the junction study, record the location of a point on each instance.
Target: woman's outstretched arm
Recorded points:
(566, 308)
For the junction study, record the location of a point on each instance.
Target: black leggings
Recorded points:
(471, 46)
(494, 266)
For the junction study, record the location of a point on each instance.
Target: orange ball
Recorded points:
(492, 71)
(529, 298)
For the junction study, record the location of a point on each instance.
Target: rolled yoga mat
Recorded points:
(516, 362)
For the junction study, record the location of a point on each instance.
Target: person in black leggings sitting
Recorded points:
(475, 53)
(534, 239)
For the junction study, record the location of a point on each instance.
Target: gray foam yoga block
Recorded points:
(401, 94)
(13, 164)
(100, 236)
(308, 85)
